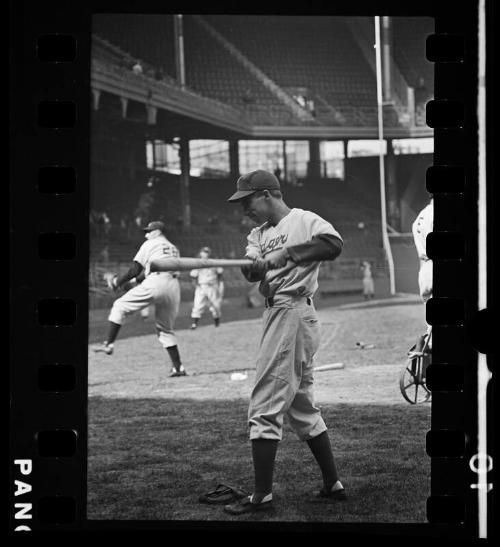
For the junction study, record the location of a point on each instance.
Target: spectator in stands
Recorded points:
(310, 107)
(104, 254)
(301, 100)
(159, 74)
(277, 173)
(137, 68)
(421, 92)
(94, 223)
(248, 96)
(106, 223)
(368, 287)
(123, 224)
(146, 201)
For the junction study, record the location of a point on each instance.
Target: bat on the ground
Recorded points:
(180, 264)
(331, 366)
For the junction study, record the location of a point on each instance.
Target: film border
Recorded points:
(48, 428)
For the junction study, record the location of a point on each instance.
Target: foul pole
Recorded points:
(383, 210)
(481, 463)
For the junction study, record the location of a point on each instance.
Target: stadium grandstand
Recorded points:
(183, 104)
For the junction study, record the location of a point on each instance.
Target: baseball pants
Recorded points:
(284, 373)
(368, 287)
(160, 289)
(206, 296)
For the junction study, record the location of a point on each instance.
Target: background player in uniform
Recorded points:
(368, 288)
(421, 228)
(209, 291)
(160, 288)
(287, 249)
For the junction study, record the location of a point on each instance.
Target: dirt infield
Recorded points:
(139, 367)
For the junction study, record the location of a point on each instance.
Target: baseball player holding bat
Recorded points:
(160, 288)
(287, 249)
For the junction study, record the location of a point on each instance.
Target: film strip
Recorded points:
(50, 258)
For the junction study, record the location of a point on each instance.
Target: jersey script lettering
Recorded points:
(273, 243)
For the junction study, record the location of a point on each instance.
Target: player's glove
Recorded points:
(110, 279)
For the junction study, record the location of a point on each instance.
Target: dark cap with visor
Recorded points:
(253, 182)
(155, 225)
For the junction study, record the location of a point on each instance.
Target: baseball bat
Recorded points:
(331, 366)
(180, 264)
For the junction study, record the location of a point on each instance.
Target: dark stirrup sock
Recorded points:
(263, 454)
(173, 353)
(322, 450)
(112, 332)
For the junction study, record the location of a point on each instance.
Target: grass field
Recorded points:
(157, 443)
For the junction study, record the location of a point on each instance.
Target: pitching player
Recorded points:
(287, 248)
(160, 288)
(421, 227)
(208, 291)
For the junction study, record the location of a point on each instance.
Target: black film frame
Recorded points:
(49, 174)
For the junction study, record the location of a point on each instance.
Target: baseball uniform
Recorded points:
(159, 288)
(291, 332)
(368, 288)
(207, 292)
(421, 227)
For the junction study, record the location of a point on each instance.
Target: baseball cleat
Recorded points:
(193, 326)
(244, 506)
(335, 495)
(104, 348)
(176, 373)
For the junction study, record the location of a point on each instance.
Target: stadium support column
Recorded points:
(179, 50)
(184, 180)
(234, 159)
(386, 51)
(314, 167)
(392, 187)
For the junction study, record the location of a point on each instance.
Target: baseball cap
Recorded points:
(206, 250)
(155, 225)
(253, 182)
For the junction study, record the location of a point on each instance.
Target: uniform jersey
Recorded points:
(421, 227)
(152, 249)
(297, 227)
(207, 276)
(367, 271)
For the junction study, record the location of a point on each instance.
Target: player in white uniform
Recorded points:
(368, 288)
(421, 228)
(287, 249)
(208, 291)
(159, 288)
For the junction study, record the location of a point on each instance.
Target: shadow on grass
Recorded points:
(151, 459)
